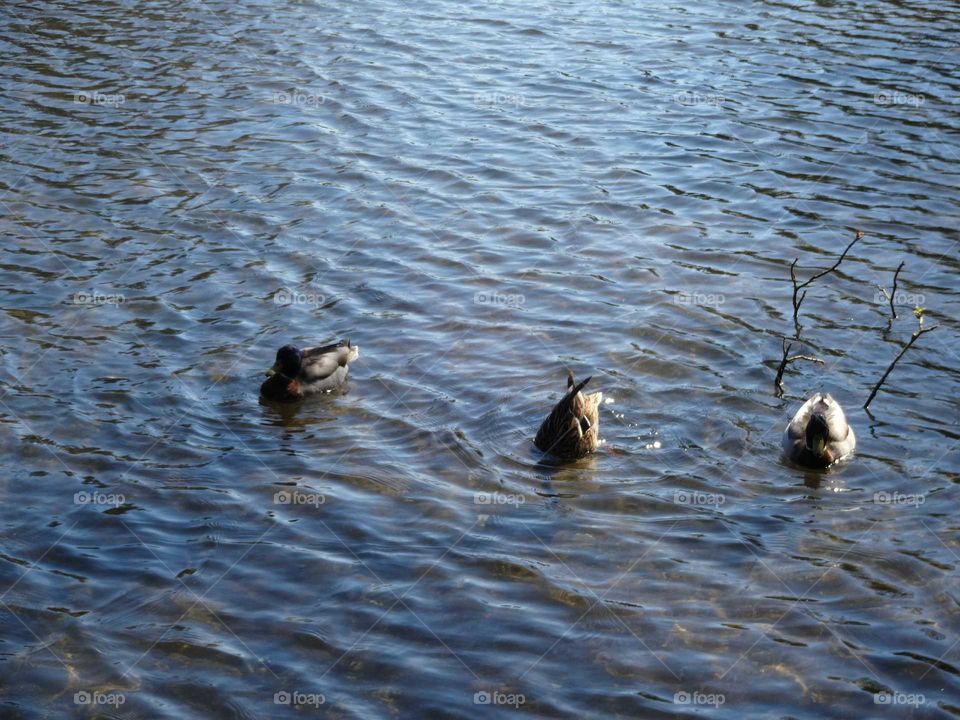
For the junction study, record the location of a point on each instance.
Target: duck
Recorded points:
(298, 373)
(572, 428)
(818, 436)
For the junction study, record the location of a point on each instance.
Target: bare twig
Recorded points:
(799, 297)
(787, 359)
(893, 310)
(913, 338)
(778, 383)
(811, 358)
(891, 296)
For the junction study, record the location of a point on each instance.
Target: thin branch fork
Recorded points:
(891, 296)
(799, 297)
(913, 338)
(787, 359)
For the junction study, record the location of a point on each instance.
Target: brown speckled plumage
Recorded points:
(572, 429)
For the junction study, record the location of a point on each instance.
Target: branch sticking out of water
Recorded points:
(891, 296)
(913, 338)
(799, 297)
(787, 359)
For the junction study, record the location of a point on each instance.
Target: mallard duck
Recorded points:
(298, 373)
(572, 428)
(818, 435)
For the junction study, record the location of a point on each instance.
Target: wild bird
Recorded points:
(819, 435)
(571, 430)
(298, 373)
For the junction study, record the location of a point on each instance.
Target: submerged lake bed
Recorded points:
(481, 198)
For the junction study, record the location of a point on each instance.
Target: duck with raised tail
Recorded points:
(572, 428)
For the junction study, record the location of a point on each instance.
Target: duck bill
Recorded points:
(819, 446)
(272, 371)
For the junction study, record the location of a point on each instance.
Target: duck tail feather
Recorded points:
(581, 386)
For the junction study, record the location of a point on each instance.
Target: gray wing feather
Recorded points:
(325, 368)
(836, 420)
(319, 363)
(318, 366)
(797, 427)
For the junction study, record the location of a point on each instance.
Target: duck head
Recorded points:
(287, 362)
(817, 437)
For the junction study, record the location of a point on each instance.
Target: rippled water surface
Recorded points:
(481, 197)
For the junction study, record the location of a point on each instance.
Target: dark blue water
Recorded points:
(480, 197)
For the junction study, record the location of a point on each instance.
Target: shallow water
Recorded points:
(480, 198)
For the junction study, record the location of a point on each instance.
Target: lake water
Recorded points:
(480, 197)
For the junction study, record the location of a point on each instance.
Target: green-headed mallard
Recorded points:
(298, 373)
(572, 428)
(818, 435)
